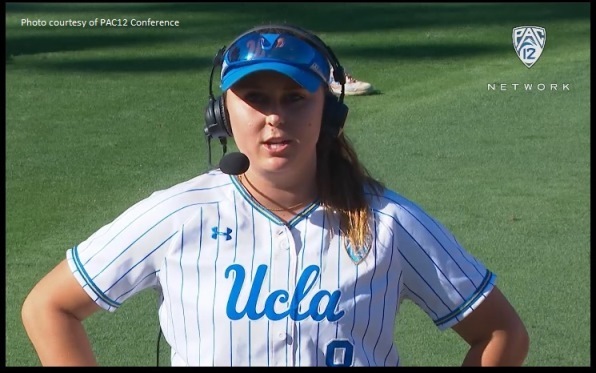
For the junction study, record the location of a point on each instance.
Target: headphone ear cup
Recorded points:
(216, 123)
(222, 117)
(335, 114)
(210, 128)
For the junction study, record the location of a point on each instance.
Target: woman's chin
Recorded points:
(278, 164)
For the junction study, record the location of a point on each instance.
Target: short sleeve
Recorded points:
(439, 275)
(124, 257)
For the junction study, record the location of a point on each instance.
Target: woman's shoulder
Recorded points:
(392, 207)
(211, 184)
(390, 202)
(212, 179)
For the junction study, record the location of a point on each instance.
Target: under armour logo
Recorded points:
(216, 233)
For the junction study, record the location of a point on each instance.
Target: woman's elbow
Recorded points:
(519, 342)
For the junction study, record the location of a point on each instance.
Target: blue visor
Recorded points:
(283, 53)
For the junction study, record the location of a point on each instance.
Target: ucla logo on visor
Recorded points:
(284, 53)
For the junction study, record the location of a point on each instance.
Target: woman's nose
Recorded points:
(273, 120)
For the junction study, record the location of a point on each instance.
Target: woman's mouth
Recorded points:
(275, 147)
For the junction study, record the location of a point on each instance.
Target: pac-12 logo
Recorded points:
(529, 42)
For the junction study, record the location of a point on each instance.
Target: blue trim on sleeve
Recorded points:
(479, 292)
(89, 281)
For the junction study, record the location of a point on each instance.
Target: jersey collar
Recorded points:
(268, 214)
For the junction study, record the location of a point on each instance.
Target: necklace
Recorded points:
(289, 208)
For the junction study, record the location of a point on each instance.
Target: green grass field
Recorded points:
(98, 118)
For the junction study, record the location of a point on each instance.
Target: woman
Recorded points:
(301, 260)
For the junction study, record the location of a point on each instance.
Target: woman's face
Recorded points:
(275, 122)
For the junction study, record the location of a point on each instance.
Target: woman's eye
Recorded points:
(262, 98)
(295, 97)
(255, 97)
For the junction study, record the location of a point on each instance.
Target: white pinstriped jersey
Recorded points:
(240, 287)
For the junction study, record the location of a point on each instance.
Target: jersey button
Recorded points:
(284, 245)
(281, 336)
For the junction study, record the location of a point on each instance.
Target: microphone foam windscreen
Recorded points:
(234, 163)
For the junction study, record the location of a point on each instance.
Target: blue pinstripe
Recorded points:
(421, 300)
(288, 286)
(354, 301)
(167, 271)
(199, 281)
(149, 275)
(304, 246)
(231, 349)
(371, 289)
(252, 267)
(215, 286)
(396, 306)
(385, 295)
(321, 279)
(182, 289)
(234, 261)
(426, 282)
(269, 286)
(236, 221)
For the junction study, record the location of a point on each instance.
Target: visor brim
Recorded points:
(309, 80)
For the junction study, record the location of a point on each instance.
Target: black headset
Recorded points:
(335, 112)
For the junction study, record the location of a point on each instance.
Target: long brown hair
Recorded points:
(342, 180)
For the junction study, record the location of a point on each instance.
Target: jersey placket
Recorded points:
(284, 244)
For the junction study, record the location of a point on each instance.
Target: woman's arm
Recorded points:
(52, 315)
(495, 333)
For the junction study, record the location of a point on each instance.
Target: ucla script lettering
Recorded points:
(305, 283)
